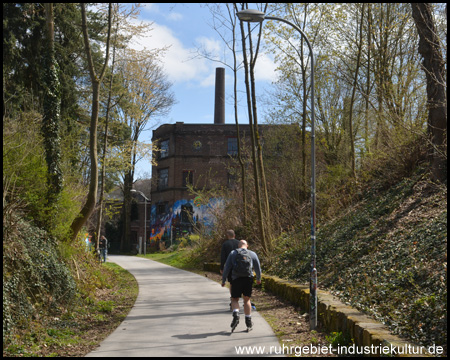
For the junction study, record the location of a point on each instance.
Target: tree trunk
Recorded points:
(352, 99)
(105, 145)
(260, 162)
(50, 120)
(89, 205)
(369, 47)
(239, 142)
(434, 67)
(255, 164)
(127, 186)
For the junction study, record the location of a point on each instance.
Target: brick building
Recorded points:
(198, 154)
(113, 227)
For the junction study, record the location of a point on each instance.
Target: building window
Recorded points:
(161, 208)
(164, 149)
(163, 179)
(232, 146)
(187, 214)
(188, 177)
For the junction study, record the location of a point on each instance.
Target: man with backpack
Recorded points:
(242, 262)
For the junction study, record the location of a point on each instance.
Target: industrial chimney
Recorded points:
(219, 100)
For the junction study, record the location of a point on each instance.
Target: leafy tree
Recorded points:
(39, 77)
(147, 97)
(123, 16)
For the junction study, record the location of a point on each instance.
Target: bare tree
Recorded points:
(434, 67)
(262, 200)
(352, 99)
(229, 23)
(96, 80)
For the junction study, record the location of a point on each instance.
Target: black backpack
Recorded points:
(243, 264)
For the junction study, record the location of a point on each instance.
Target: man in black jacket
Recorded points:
(227, 247)
(103, 246)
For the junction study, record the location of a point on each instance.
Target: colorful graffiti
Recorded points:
(181, 218)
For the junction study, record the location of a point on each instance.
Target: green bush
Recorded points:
(25, 178)
(35, 278)
(105, 306)
(24, 168)
(339, 339)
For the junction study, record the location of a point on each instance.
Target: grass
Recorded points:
(180, 259)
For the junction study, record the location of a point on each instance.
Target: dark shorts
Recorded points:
(242, 286)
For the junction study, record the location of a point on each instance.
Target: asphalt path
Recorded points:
(179, 313)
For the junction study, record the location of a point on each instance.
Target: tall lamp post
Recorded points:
(145, 216)
(252, 15)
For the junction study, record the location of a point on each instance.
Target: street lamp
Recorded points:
(251, 15)
(145, 216)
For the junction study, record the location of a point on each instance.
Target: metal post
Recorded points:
(145, 227)
(313, 278)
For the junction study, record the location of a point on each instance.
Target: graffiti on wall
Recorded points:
(181, 218)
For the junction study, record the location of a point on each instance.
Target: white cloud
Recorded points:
(174, 16)
(155, 9)
(180, 61)
(265, 68)
(177, 60)
(211, 46)
(151, 8)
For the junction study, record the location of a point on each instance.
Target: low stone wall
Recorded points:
(213, 267)
(334, 316)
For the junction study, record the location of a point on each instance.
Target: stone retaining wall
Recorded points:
(335, 316)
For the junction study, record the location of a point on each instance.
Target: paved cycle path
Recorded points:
(179, 313)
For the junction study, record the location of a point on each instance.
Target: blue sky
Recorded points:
(185, 28)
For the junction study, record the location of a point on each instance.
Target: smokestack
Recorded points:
(219, 100)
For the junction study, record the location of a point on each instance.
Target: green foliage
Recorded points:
(73, 329)
(339, 339)
(105, 306)
(24, 169)
(35, 278)
(25, 177)
(188, 257)
(66, 208)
